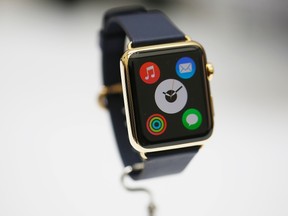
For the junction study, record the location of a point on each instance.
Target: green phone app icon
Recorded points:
(191, 119)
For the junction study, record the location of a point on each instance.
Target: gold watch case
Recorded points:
(128, 100)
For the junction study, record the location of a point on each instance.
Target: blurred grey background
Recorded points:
(57, 151)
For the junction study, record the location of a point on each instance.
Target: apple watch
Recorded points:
(158, 96)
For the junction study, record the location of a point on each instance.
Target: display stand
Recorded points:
(137, 167)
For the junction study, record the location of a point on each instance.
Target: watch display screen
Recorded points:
(170, 96)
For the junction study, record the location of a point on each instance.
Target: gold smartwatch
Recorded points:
(156, 90)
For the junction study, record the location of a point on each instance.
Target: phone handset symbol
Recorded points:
(150, 70)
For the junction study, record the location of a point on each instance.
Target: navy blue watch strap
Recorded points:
(142, 28)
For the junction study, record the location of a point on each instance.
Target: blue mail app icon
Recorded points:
(185, 68)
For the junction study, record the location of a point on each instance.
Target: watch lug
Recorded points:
(143, 155)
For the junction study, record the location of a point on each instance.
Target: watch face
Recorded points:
(170, 96)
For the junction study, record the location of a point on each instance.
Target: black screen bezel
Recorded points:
(142, 141)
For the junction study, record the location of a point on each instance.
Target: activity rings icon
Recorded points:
(156, 124)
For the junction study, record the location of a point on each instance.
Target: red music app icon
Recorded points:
(149, 72)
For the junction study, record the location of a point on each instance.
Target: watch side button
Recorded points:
(210, 71)
(212, 106)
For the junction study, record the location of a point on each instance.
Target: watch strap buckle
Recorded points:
(108, 90)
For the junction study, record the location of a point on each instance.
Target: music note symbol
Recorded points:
(150, 70)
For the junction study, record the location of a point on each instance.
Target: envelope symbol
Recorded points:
(185, 68)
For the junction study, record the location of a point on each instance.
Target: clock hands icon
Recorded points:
(171, 95)
(175, 92)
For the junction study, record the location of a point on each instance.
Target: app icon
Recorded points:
(185, 67)
(149, 72)
(156, 124)
(192, 119)
(171, 96)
